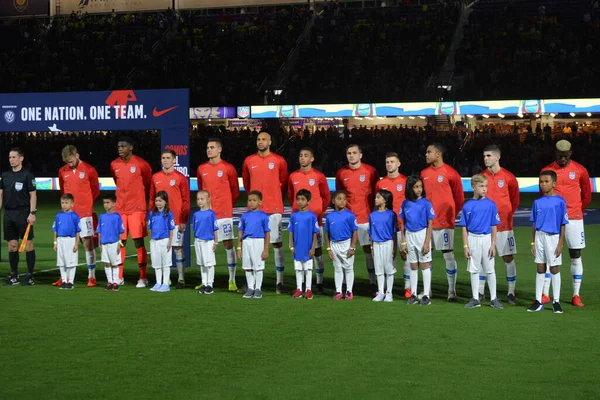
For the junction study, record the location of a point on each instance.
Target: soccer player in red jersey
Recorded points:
(177, 187)
(132, 175)
(220, 180)
(316, 183)
(503, 190)
(445, 192)
(268, 173)
(359, 181)
(81, 180)
(573, 185)
(395, 183)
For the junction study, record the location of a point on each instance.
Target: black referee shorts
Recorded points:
(15, 224)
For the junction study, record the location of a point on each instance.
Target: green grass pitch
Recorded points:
(88, 343)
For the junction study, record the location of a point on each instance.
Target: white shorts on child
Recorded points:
(383, 257)
(479, 245)
(65, 257)
(340, 255)
(414, 245)
(159, 255)
(545, 245)
(251, 254)
(303, 265)
(111, 254)
(205, 256)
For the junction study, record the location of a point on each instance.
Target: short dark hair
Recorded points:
(549, 173)
(354, 145)
(256, 193)
(411, 181)
(439, 147)
(336, 194)
(169, 151)
(392, 154)
(127, 140)
(110, 196)
(305, 193)
(216, 140)
(67, 196)
(17, 150)
(312, 152)
(494, 148)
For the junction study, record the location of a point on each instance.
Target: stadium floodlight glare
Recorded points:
(411, 117)
(520, 115)
(501, 115)
(572, 114)
(485, 115)
(277, 92)
(422, 117)
(552, 115)
(400, 117)
(469, 116)
(589, 114)
(537, 115)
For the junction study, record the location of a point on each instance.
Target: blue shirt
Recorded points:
(340, 225)
(383, 225)
(205, 224)
(549, 213)
(160, 225)
(110, 227)
(479, 216)
(66, 224)
(303, 224)
(416, 214)
(254, 224)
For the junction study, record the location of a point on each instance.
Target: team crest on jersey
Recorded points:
(219, 173)
(311, 182)
(132, 169)
(501, 183)
(18, 186)
(399, 187)
(440, 178)
(172, 182)
(271, 165)
(81, 175)
(363, 178)
(572, 176)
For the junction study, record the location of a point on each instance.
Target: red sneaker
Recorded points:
(92, 282)
(545, 299)
(338, 296)
(58, 282)
(308, 295)
(407, 293)
(349, 296)
(576, 301)
(297, 294)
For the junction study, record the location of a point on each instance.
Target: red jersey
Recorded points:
(397, 186)
(573, 185)
(132, 179)
(316, 183)
(177, 187)
(269, 175)
(82, 183)
(444, 190)
(359, 185)
(221, 181)
(503, 189)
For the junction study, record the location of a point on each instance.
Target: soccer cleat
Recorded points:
(481, 297)
(407, 293)
(232, 286)
(11, 282)
(28, 281)
(349, 296)
(473, 303)
(452, 297)
(536, 306)
(308, 295)
(279, 288)
(319, 290)
(388, 297)
(557, 308)
(208, 290)
(108, 287)
(545, 299)
(180, 285)
(379, 297)
(155, 287)
(297, 294)
(164, 288)
(258, 294)
(199, 287)
(338, 296)
(374, 291)
(92, 282)
(412, 300)
(58, 282)
(115, 287)
(70, 286)
(142, 283)
(497, 304)
(425, 301)
(63, 286)
(576, 301)
(249, 294)
(511, 299)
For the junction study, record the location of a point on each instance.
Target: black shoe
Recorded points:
(11, 282)
(511, 299)
(70, 286)
(63, 286)
(180, 285)
(108, 287)
(115, 287)
(319, 290)
(28, 281)
(279, 289)
(536, 306)
(373, 290)
(208, 290)
(557, 308)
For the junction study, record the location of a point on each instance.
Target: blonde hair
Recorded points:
(69, 151)
(477, 179)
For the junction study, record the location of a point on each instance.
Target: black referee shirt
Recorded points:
(16, 187)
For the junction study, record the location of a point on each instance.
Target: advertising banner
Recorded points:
(17, 8)
(106, 6)
(190, 4)
(212, 112)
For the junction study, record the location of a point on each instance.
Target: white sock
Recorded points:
(211, 275)
(406, 272)
(547, 279)
(370, 268)
(90, 258)
(63, 274)
(320, 270)
(115, 274)
(259, 279)
(390, 284)
(475, 285)
(426, 281)
(556, 286)
(231, 263)
(491, 279)
(166, 275)
(204, 275)
(338, 276)
(451, 272)
(71, 274)
(414, 281)
(299, 279)
(108, 272)
(381, 284)
(308, 277)
(250, 279)
(349, 274)
(179, 259)
(482, 278)
(511, 276)
(159, 275)
(576, 274)
(279, 263)
(539, 286)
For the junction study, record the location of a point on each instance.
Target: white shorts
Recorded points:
(479, 245)
(65, 257)
(443, 239)
(545, 245)
(319, 243)
(363, 234)
(574, 234)
(205, 256)
(159, 255)
(178, 237)
(251, 254)
(86, 224)
(111, 254)
(275, 226)
(383, 257)
(225, 229)
(340, 255)
(303, 265)
(505, 243)
(414, 244)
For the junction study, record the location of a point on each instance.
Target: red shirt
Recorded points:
(395, 185)
(316, 183)
(82, 183)
(177, 187)
(359, 185)
(503, 189)
(444, 190)
(221, 181)
(132, 179)
(269, 175)
(573, 185)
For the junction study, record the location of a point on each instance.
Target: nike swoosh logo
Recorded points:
(157, 113)
(117, 170)
(205, 174)
(295, 183)
(254, 166)
(426, 178)
(157, 182)
(346, 179)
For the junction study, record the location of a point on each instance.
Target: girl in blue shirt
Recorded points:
(383, 226)
(161, 224)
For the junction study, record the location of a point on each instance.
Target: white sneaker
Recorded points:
(388, 298)
(142, 283)
(121, 282)
(379, 297)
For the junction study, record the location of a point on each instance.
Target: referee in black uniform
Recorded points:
(18, 195)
